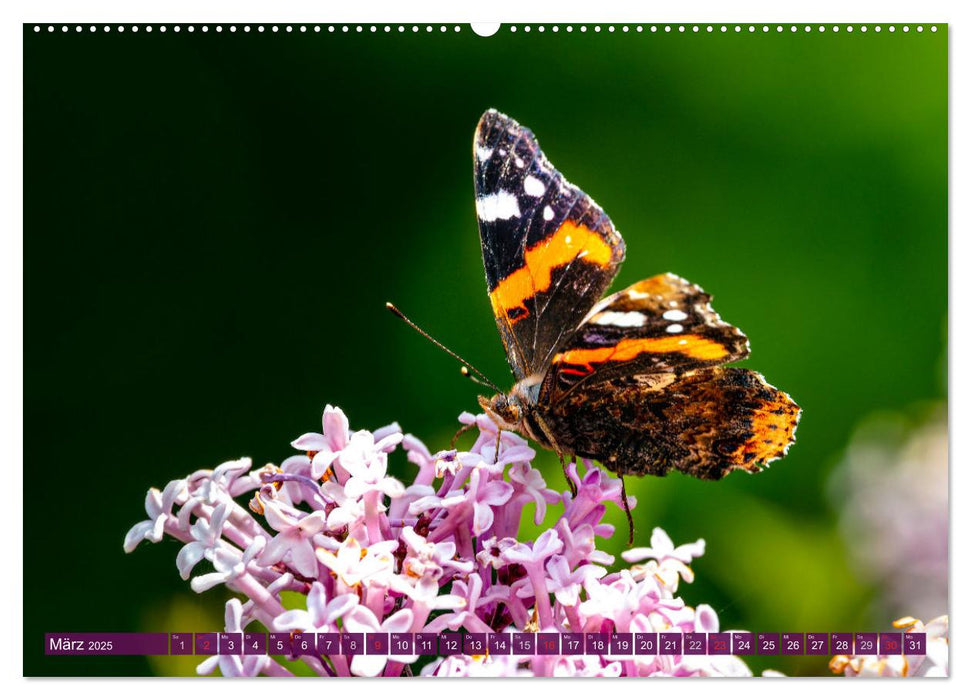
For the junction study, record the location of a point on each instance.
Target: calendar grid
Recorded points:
(616, 644)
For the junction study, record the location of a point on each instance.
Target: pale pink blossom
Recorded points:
(442, 550)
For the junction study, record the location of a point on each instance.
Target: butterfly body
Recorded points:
(635, 380)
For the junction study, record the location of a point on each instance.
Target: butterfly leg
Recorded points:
(566, 475)
(630, 518)
(548, 434)
(495, 457)
(459, 433)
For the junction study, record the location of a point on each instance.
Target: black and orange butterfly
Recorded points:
(635, 380)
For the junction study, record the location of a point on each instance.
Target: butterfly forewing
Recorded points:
(549, 251)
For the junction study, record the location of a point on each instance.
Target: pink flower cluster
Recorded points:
(442, 553)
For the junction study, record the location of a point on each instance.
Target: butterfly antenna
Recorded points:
(481, 379)
(467, 373)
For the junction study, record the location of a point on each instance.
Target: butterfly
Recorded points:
(637, 380)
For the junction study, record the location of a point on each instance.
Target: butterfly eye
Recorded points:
(504, 412)
(512, 413)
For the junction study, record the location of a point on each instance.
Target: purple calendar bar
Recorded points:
(616, 644)
(106, 644)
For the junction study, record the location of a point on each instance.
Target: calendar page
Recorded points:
(426, 349)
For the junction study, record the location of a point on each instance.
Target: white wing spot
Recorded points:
(500, 205)
(519, 162)
(548, 213)
(672, 303)
(675, 315)
(682, 342)
(625, 319)
(634, 294)
(533, 186)
(675, 328)
(483, 153)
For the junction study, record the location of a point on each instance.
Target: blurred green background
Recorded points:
(213, 223)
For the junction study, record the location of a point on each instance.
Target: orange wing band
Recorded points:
(570, 241)
(694, 346)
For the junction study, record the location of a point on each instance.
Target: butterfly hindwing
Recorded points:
(549, 251)
(705, 423)
(659, 325)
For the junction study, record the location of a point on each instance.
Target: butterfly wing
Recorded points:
(705, 423)
(549, 251)
(659, 325)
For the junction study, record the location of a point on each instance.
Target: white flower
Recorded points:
(321, 615)
(295, 537)
(207, 535)
(361, 619)
(158, 507)
(229, 565)
(355, 565)
(367, 464)
(671, 561)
